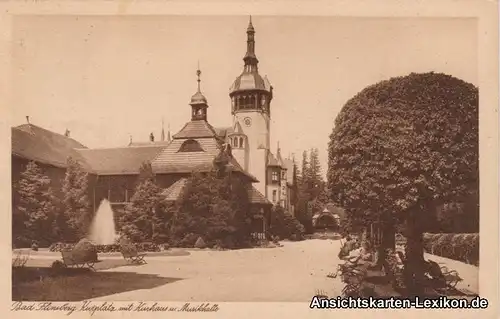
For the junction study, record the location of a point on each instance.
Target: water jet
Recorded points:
(102, 229)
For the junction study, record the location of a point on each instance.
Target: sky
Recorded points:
(106, 78)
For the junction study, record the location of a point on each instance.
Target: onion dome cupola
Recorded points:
(199, 104)
(250, 91)
(237, 137)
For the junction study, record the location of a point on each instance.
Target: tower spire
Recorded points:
(162, 131)
(250, 58)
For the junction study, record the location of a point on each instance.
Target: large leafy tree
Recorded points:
(146, 217)
(401, 148)
(34, 216)
(76, 203)
(214, 205)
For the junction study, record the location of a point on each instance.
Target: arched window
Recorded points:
(241, 142)
(235, 142)
(191, 146)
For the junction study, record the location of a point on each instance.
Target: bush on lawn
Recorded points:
(142, 247)
(461, 247)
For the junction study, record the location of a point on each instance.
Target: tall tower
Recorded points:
(251, 96)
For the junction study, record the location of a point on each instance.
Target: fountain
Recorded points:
(102, 229)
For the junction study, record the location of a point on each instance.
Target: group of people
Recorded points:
(353, 249)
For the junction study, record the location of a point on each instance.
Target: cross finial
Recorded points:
(198, 73)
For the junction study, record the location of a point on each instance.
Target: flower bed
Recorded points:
(141, 247)
(461, 247)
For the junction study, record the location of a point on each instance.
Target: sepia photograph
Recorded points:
(244, 158)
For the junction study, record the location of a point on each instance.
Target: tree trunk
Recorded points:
(415, 280)
(387, 242)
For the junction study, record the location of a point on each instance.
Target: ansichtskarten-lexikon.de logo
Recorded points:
(397, 303)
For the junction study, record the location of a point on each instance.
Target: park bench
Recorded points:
(70, 260)
(130, 254)
(450, 278)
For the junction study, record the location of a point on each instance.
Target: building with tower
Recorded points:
(271, 179)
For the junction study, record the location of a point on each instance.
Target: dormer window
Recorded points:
(191, 146)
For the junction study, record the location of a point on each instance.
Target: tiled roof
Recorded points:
(236, 129)
(38, 144)
(174, 191)
(256, 197)
(334, 209)
(170, 160)
(155, 143)
(120, 160)
(271, 160)
(250, 81)
(196, 129)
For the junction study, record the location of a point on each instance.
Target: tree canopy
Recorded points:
(34, 215)
(76, 202)
(404, 144)
(215, 208)
(147, 215)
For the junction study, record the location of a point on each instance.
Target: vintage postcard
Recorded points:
(250, 159)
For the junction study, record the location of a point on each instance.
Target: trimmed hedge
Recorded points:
(142, 247)
(461, 247)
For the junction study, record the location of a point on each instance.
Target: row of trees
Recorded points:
(39, 215)
(212, 205)
(312, 194)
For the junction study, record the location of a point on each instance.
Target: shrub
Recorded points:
(57, 267)
(148, 247)
(144, 247)
(85, 250)
(285, 226)
(200, 243)
(57, 247)
(461, 247)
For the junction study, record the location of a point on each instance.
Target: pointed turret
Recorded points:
(278, 155)
(198, 103)
(162, 131)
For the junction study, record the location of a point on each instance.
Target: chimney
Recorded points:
(28, 119)
(151, 137)
(66, 133)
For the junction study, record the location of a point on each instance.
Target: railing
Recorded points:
(259, 236)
